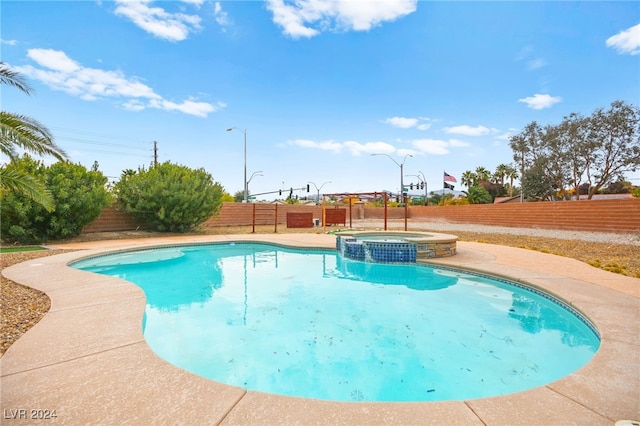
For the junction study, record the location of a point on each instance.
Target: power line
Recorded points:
(90, 142)
(121, 146)
(85, 132)
(70, 134)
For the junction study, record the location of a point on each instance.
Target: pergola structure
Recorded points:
(352, 195)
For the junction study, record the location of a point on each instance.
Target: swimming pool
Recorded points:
(309, 323)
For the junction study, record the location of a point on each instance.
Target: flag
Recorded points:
(449, 178)
(448, 186)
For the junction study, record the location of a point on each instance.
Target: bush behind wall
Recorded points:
(169, 197)
(78, 196)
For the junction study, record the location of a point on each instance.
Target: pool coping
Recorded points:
(88, 360)
(427, 237)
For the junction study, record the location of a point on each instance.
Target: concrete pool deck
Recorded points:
(87, 358)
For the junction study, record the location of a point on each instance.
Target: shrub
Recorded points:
(479, 195)
(78, 196)
(460, 201)
(169, 197)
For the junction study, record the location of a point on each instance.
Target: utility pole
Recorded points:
(155, 153)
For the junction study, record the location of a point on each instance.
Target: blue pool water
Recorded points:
(310, 323)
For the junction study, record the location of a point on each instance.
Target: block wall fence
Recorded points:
(600, 216)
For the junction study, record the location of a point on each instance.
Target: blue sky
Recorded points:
(318, 85)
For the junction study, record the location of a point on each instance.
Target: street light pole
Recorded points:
(257, 173)
(401, 165)
(318, 190)
(246, 184)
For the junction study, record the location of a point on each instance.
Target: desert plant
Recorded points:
(477, 194)
(169, 197)
(78, 198)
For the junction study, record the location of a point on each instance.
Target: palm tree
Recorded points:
(482, 174)
(19, 131)
(512, 174)
(500, 173)
(468, 179)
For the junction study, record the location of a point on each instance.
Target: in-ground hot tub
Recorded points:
(395, 246)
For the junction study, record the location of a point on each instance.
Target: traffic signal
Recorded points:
(411, 186)
(280, 192)
(307, 187)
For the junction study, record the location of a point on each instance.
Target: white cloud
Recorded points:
(60, 72)
(536, 64)
(191, 107)
(330, 145)
(432, 146)
(197, 3)
(307, 18)
(53, 59)
(353, 147)
(9, 42)
(402, 122)
(357, 148)
(533, 63)
(468, 130)
(420, 146)
(539, 101)
(407, 123)
(157, 21)
(438, 146)
(626, 41)
(221, 16)
(133, 105)
(404, 151)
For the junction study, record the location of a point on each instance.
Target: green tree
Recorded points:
(556, 161)
(479, 195)
(292, 200)
(574, 148)
(511, 174)
(482, 174)
(468, 178)
(22, 132)
(78, 195)
(169, 197)
(238, 196)
(537, 184)
(595, 150)
(500, 173)
(615, 136)
(619, 187)
(439, 199)
(526, 147)
(228, 198)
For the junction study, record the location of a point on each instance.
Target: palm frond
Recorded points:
(25, 184)
(27, 133)
(13, 79)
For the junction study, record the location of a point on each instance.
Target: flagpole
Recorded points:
(443, 173)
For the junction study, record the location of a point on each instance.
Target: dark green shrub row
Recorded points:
(167, 197)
